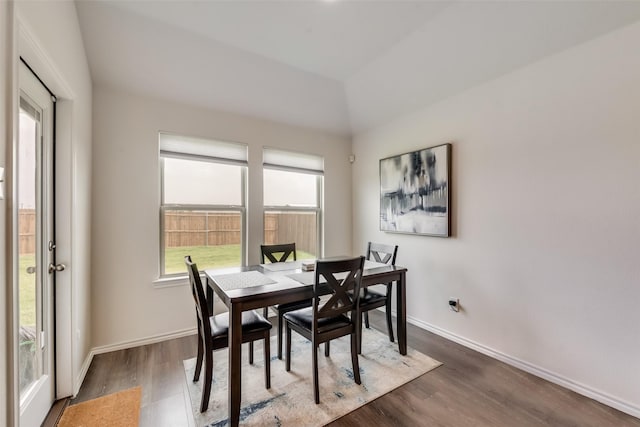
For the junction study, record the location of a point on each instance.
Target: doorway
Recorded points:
(35, 205)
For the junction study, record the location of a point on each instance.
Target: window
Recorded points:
(202, 206)
(293, 201)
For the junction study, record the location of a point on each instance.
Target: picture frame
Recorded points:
(415, 192)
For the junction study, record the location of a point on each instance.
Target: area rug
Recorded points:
(290, 400)
(121, 409)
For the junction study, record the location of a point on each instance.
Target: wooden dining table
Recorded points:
(258, 286)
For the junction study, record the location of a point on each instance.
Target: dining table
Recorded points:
(257, 286)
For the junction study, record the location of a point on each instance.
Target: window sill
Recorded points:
(170, 282)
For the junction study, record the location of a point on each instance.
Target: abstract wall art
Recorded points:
(415, 192)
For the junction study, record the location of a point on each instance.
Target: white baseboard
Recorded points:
(83, 372)
(124, 345)
(602, 397)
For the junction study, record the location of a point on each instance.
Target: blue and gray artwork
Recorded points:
(414, 192)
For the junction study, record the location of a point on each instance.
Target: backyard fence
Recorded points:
(189, 228)
(199, 228)
(287, 227)
(26, 231)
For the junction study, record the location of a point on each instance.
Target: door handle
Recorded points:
(31, 270)
(56, 267)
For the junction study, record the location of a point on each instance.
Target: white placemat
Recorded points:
(307, 278)
(372, 264)
(246, 279)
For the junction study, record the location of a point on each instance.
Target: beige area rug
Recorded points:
(290, 401)
(121, 409)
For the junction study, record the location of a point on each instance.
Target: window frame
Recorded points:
(241, 209)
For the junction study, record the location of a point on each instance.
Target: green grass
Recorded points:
(27, 290)
(205, 257)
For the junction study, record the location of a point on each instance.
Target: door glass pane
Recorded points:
(291, 226)
(29, 357)
(212, 238)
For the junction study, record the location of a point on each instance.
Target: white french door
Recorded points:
(34, 203)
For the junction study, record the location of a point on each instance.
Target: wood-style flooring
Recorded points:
(470, 389)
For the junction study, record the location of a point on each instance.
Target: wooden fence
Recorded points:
(287, 227)
(26, 231)
(188, 228)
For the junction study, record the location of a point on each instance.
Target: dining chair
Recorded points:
(371, 299)
(327, 319)
(213, 334)
(280, 253)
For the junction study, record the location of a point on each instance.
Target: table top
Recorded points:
(239, 283)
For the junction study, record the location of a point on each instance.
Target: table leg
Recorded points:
(209, 296)
(235, 353)
(401, 309)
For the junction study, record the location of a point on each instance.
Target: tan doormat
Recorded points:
(121, 409)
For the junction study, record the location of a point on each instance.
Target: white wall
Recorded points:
(127, 308)
(546, 209)
(50, 41)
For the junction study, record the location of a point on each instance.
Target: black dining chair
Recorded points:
(370, 299)
(280, 253)
(327, 319)
(213, 334)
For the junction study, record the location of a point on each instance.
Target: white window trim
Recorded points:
(181, 279)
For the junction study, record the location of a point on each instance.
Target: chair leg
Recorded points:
(265, 313)
(389, 323)
(354, 359)
(359, 334)
(326, 349)
(267, 361)
(208, 377)
(280, 321)
(316, 389)
(288, 348)
(250, 352)
(366, 319)
(196, 373)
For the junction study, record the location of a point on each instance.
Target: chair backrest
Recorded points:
(199, 298)
(385, 254)
(341, 276)
(272, 251)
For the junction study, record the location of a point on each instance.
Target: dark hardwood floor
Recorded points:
(470, 389)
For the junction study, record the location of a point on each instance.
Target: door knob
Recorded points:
(56, 267)
(31, 270)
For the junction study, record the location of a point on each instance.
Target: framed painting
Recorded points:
(415, 194)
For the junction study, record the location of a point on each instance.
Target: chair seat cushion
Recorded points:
(290, 306)
(304, 318)
(251, 322)
(371, 297)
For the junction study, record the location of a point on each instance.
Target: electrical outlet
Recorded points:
(454, 304)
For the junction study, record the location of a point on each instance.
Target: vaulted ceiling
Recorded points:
(341, 66)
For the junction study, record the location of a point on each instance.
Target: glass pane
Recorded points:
(287, 227)
(212, 238)
(283, 188)
(193, 182)
(27, 226)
